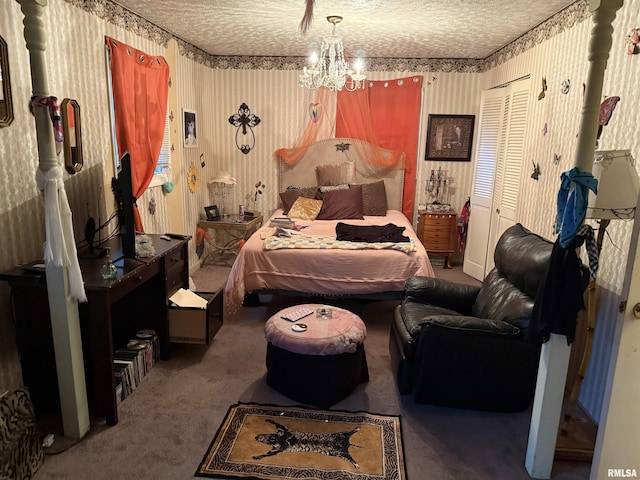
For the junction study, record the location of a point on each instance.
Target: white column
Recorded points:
(67, 343)
(604, 12)
(65, 323)
(554, 358)
(547, 406)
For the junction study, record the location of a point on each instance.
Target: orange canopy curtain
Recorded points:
(140, 87)
(323, 127)
(315, 130)
(353, 120)
(387, 114)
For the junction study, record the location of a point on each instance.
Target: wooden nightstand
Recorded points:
(437, 232)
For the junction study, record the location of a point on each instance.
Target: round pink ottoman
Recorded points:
(320, 365)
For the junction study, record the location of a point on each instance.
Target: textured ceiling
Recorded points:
(371, 28)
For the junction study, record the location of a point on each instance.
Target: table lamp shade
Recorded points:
(618, 186)
(224, 177)
(220, 186)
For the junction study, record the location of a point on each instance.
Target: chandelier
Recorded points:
(331, 70)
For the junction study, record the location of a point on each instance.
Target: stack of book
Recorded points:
(283, 222)
(134, 361)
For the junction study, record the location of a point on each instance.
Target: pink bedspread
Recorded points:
(328, 272)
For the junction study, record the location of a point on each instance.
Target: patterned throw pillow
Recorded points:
(330, 188)
(336, 174)
(289, 196)
(21, 452)
(305, 208)
(374, 198)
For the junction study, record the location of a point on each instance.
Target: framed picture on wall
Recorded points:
(449, 137)
(189, 122)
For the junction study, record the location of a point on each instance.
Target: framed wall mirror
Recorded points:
(6, 105)
(71, 128)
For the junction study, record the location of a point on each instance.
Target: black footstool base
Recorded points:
(320, 380)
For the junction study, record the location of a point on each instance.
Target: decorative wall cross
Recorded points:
(244, 121)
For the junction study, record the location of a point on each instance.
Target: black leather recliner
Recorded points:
(464, 346)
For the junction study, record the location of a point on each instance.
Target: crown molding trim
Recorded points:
(561, 21)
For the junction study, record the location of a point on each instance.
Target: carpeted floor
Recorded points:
(167, 424)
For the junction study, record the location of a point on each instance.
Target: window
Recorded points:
(162, 173)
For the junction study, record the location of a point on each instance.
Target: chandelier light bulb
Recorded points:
(358, 66)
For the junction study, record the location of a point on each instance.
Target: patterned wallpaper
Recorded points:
(565, 56)
(75, 65)
(215, 88)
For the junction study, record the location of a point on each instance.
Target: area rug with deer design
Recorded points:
(268, 442)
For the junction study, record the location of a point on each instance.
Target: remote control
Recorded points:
(177, 236)
(297, 313)
(165, 237)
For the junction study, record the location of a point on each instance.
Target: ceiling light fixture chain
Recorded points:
(331, 69)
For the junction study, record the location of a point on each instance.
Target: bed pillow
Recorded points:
(374, 198)
(288, 197)
(342, 204)
(336, 174)
(329, 188)
(305, 208)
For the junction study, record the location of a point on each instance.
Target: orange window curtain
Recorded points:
(140, 88)
(387, 114)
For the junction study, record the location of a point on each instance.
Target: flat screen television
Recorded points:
(123, 191)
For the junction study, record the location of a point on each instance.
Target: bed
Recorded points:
(332, 268)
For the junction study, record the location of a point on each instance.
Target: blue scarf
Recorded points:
(572, 203)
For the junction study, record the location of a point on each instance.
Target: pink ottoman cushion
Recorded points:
(340, 334)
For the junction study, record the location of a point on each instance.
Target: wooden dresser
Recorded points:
(437, 232)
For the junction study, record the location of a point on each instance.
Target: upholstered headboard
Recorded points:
(339, 150)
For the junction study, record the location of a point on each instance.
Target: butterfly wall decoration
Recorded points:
(632, 40)
(607, 107)
(536, 171)
(544, 88)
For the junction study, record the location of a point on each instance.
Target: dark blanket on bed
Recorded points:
(370, 233)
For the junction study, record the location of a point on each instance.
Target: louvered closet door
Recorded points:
(489, 129)
(503, 115)
(509, 168)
